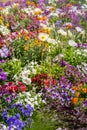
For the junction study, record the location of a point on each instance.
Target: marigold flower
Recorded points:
(75, 100)
(77, 94)
(44, 18)
(75, 88)
(84, 90)
(80, 85)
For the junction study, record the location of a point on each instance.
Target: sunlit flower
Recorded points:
(62, 32)
(37, 11)
(72, 43)
(43, 36)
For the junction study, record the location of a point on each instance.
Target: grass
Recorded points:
(44, 120)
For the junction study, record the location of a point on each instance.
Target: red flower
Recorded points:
(22, 87)
(11, 87)
(46, 83)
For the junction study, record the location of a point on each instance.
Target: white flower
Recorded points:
(25, 73)
(43, 36)
(31, 99)
(27, 94)
(26, 80)
(53, 14)
(85, 50)
(72, 43)
(38, 11)
(28, 10)
(59, 129)
(62, 32)
(70, 33)
(53, 41)
(78, 29)
(36, 103)
(84, 6)
(33, 71)
(4, 30)
(78, 52)
(6, 10)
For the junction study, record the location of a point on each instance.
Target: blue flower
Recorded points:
(4, 114)
(15, 122)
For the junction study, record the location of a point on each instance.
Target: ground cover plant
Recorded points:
(43, 65)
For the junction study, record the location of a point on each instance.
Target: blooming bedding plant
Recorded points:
(43, 64)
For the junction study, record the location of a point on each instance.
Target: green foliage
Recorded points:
(51, 69)
(12, 67)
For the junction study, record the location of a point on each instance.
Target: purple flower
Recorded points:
(14, 121)
(4, 52)
(3, 75)
(75, 19)
(4, 114)
(27, 111)
(84, 103)
(2, 61)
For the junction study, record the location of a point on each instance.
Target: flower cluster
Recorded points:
(43, 50)
(14, 121)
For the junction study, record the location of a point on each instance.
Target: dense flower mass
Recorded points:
(43, 64)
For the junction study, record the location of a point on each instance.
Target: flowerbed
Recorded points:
(43, 64)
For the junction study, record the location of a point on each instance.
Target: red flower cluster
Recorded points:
(39, 79)
(49, 82)
(44, 79)
(12, 87)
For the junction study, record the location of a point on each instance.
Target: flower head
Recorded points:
(43, 36)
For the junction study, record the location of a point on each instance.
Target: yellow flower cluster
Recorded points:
(1, 20)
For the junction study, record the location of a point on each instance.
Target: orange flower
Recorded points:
(80, 85)
(75, 100)
(69, 26)
(75, 88)
(39, 30)
(44, 18)
(84, 90)
(82, 99)
(77, 94)
(51, 8)
(69, 5)
(1, 8)
(39, 18)
(19, 35)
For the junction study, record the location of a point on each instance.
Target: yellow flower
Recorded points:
(43, 36)
(7, 24)
(37, 11)
(26, 47)
(26, 38)
(1, 21)
(31, 44)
